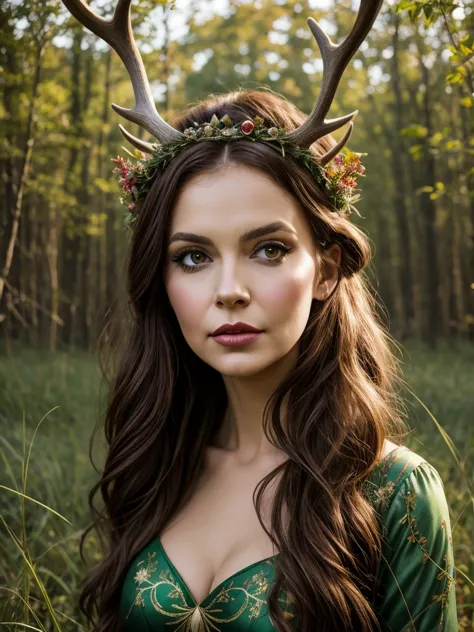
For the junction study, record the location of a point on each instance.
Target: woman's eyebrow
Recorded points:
(254, 233)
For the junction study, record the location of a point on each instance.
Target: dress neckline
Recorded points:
(219, 586)
(249, 566)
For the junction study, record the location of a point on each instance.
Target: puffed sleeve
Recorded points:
(416, 591)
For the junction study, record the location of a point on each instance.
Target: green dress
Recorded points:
(415, 587)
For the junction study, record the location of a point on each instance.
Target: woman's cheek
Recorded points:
(289, 291)
(185, 304)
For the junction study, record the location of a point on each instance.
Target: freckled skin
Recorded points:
(238, 282)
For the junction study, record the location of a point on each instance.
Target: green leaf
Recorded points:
(406, 4)
(426, 189)
(436, 138)
(454, 77)
(452, 145)
(430, 17)
(414, 131)
(414, 13)
(417, 151)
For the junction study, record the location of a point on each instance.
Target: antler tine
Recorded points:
(337, 148)
(140, 144)
(117, 32)
(335, 59)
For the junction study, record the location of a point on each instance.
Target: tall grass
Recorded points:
(49, 404)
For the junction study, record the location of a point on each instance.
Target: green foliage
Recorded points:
(461, 42)
(458, 76)
(435, 192)
(431, 10)
(40, 560)
(417, 151)
(414, 131)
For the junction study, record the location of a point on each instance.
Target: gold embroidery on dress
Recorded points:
(197, 618)
(383, 495)
(416, 538)
(380, 494)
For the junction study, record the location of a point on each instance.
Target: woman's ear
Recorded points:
(328, 276)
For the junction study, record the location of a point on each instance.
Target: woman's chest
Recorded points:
(218, 533)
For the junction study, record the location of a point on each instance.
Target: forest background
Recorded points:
(63, 244)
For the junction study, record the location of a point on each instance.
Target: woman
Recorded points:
(255, 479)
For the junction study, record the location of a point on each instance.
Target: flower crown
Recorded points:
(337, 175)
(338, 178)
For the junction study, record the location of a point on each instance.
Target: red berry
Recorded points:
(247, 127)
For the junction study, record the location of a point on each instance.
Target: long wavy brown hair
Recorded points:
(343, 402)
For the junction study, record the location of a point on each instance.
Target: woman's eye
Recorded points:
(273, 249)
(197, 257)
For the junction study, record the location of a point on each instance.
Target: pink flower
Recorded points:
(347, 182)
(123, 166)
(355, 165)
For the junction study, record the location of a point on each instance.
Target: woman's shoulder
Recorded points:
(417, 571)
(397, 459)
(398, 472)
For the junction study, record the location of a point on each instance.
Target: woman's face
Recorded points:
(267, 281)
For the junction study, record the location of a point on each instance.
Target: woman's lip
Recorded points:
(233, 340)
(236, 333)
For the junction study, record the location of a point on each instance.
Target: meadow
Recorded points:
(49, 405)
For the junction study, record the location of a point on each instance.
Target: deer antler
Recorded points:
(140, 144)
(117, 32)
(335, 59)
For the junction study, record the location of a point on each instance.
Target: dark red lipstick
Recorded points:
(236, 334)
(236, 328)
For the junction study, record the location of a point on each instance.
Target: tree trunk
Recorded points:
(70, 239)
(33, 272)
(468, 199)
(94, 274)
(386, 279)
(401, 213)
(52, 254)
(432, 304)
(24, 171)
(10, 102)
(78, 303)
